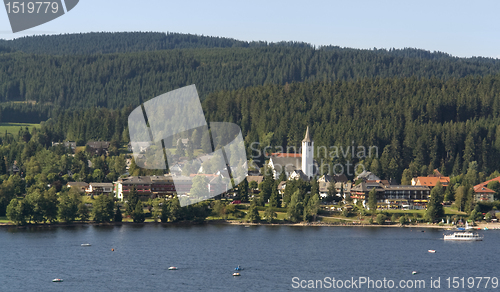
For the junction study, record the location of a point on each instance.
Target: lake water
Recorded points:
(206, 256)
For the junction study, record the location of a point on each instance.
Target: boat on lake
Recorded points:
(85, 244)
(238, 268)
(236, 274)
(57, 280)
(463, 236)
(172, 268)
(431, 251)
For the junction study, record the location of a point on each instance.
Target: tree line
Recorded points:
(415, 123)
(128, 79)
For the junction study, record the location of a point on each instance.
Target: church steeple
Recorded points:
(307, 138)
(307, 155)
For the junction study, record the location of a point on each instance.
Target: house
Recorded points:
(325, 181)
(256, 178)
(298, 174)
(78, 185)
(149, 186)
(67, 144)
(140, 147)
(14, 169)
(482, 193)
(430, 181)
(367, 175)
(99, 188)
(360, 192)
(392, 196)
(99, 147)
(293, 162)
(216, 185)
(406, 197)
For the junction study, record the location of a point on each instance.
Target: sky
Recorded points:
(459, 28)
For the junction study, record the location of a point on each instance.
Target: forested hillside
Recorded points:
(125, 42)
(422, 110)
(128, 79)
(422, 123)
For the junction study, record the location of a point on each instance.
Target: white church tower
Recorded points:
(307, 155)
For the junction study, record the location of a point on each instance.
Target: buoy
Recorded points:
(112, 249)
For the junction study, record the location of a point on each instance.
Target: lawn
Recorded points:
(13, 128)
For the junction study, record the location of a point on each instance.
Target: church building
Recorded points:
(296, 165)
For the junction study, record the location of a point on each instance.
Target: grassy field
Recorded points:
(13, 128)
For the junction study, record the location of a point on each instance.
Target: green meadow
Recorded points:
(13, 128)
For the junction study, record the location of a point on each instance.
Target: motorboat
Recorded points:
(57, 280)
(432, 251)
(236, 274)
(172, 268)
(85, 244)
(414, 272)
(463, 236)
(238, 268)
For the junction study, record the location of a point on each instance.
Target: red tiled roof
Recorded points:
(481, 189)
(485, 184)
(432, 181)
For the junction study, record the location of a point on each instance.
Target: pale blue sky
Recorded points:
(460, 28)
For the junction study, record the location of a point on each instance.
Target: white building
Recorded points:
(296, 165)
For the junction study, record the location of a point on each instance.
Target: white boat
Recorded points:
(57, 280)
(85, 244)
(172, 268)
(432, 251)
(463, 236)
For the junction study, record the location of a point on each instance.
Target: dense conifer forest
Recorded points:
(429, 108)
(422, 110)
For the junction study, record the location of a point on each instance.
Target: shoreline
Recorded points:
(242, 223)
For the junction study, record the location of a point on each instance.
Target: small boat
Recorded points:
(85, 244)
(463, 236)
(236, 274)
(414, 272)
(431, 251)
(238, 268)
(57, 280)
(172, 268)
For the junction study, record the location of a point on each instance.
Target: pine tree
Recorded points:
(118, 214)
(139, 215)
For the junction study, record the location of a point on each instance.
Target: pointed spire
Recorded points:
(307, 138)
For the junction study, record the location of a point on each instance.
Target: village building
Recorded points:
(482, 193)
(99, 188)
(80, 186)
(430, 181)
(296, 165)
(392, 196)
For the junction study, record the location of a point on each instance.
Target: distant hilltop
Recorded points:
(125, 42)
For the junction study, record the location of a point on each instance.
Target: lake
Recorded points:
(274, 258)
